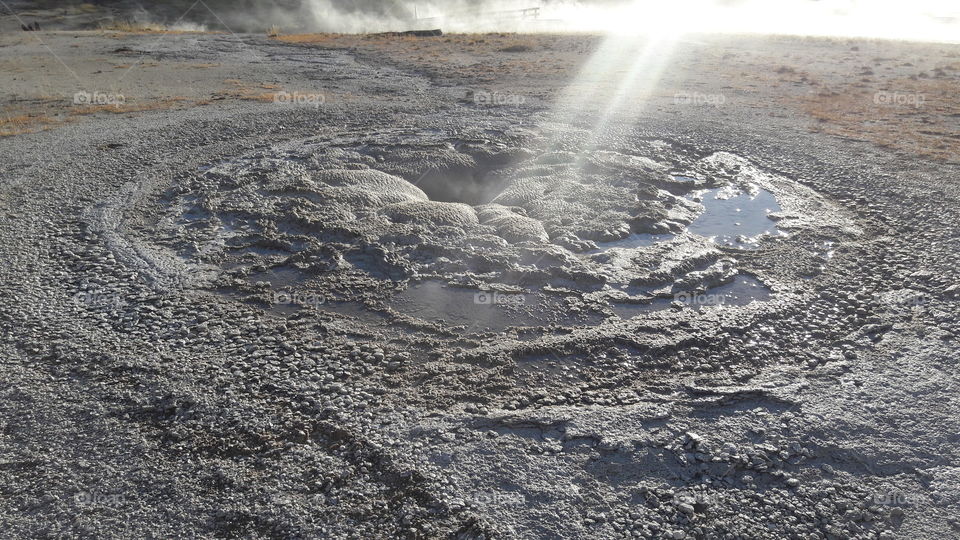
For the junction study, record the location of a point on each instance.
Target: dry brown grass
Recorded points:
(926, 129)
(839, 97)
(238, 89)
(132, 27)
(167, 103)
(25, 123)
(49, 112)
(311, 39)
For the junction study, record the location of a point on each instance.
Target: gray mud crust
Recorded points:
(415, 317)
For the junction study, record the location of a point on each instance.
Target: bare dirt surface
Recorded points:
(386, 287)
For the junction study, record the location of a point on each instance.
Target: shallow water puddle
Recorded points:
(743, 290)
(436, 301)
(735, 218)
(730, 217)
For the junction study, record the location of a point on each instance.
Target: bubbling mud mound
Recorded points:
(369, 220)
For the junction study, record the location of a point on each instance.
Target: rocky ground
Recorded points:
(380, 287)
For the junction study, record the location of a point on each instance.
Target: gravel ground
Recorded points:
(335, 292)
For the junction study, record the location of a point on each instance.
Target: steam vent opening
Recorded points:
(462, 185)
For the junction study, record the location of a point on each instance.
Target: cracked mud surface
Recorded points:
(407, 314)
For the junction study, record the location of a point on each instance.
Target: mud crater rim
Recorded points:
(395, 258)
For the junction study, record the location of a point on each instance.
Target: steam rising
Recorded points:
(928, 20)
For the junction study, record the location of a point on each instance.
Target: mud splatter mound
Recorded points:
(362, 219)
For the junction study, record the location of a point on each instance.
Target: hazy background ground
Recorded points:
(897, 95)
